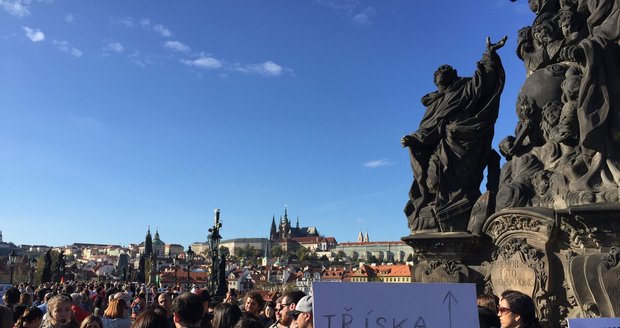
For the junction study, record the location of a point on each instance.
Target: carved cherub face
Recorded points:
(540, 180)
(543, 33)
(570, 88)
(525, 107)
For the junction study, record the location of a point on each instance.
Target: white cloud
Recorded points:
(204, 62)
(125, 21)
(145, 22)
(34, 34)
(114, 46)
(267, 68)
(17, 8)
(177, 46)
(364, 18)
(162, 30)
(377, 163)
(66, 47)
(69, 18)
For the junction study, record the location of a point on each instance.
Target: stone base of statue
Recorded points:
(567, 260)
(448, 256)
(564, 259)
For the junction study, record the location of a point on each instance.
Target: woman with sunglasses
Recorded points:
(517, 310)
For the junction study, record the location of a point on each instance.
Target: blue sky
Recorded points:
(116, 115)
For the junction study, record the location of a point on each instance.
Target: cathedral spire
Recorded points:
(360, 236)
(273, 232)
(148, 243)
(297, 222)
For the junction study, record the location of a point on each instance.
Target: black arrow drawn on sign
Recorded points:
(449, 297)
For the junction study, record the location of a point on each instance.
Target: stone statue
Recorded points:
(449, 150)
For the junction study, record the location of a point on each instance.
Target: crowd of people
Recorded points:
(111, 305)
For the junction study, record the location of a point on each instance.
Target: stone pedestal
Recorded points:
(449, 257)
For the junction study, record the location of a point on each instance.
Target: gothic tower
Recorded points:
(148, 243)
(273, 233)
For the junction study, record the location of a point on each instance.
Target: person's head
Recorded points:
(516, 309)
(48, 297)
(269, 310)
(231, 296)
(11, 296)
(187, 310)
(151, 318)
(303, 313)
(288, 303)
(6, 317)
(226, 315)
(277, 308)
(444, 76)
(487, 318)
(165, 301)
(77, 298)
(31, 318)
(92, 321)
(59, 309)
(488, 301)
(253, 303)
(25, 299)
(248, 322)
(116, 308)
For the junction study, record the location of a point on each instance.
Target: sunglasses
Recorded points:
(503, 310)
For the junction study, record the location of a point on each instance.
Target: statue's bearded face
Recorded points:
(444, 78)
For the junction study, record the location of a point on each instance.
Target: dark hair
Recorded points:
(293, 296)
(488, 318)
(248, 322)
(151, 318)
(189, 308)
(488, 301)
(30, 314)
(522, 305)
(11, 296)
(446, 70)
(226, 315)
(6, 317)
(256, 296)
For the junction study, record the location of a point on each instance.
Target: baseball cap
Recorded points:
(303, 306)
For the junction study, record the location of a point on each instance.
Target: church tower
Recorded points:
(360, 236)
(148, 243)
(366, 237)
(273, 233)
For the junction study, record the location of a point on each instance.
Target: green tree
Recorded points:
(276, 251)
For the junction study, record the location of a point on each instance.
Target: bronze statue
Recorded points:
(450, 148)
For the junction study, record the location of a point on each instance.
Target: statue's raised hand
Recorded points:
(492, 47)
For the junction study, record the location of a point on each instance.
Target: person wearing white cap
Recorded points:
(303, 313)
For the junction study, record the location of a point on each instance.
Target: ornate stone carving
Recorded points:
(515, 222)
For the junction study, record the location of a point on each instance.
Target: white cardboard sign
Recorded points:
(383, 305)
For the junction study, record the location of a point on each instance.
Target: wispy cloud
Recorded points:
(69, 18)
(113, 46)
(204, 62)
(17, 8)
(34, 34)
(122, 21)
(162, 30)
(68, 48)
(177, 46)
(364, 18)
(267, 68)
(351, 9)
(378, 163)
(137, 58)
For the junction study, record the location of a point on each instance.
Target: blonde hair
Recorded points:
(56, 300)
(90, 319)
(116, 308)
